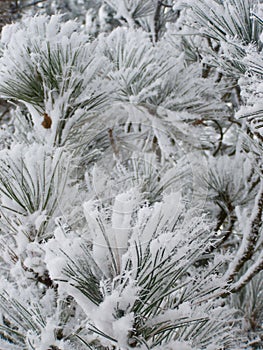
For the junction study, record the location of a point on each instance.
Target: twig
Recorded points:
(166, 5)
(220, 141)
(157, 20)
(227, 232)
(4, 113)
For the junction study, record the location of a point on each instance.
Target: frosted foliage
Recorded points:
(36, 49)
(121, 291)
(137, 75)
(234, 24)
(131, 10)
(252, 93)
(131, 190)
(175, 345)
(228, 19)
(32, 181)
(229, 181)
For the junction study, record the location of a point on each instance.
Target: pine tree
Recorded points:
(131, 188)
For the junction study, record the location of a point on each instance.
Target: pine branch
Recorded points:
(253, 270)
(249, 239)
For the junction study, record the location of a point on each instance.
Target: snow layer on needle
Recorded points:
(123, 209)
(57, 251)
